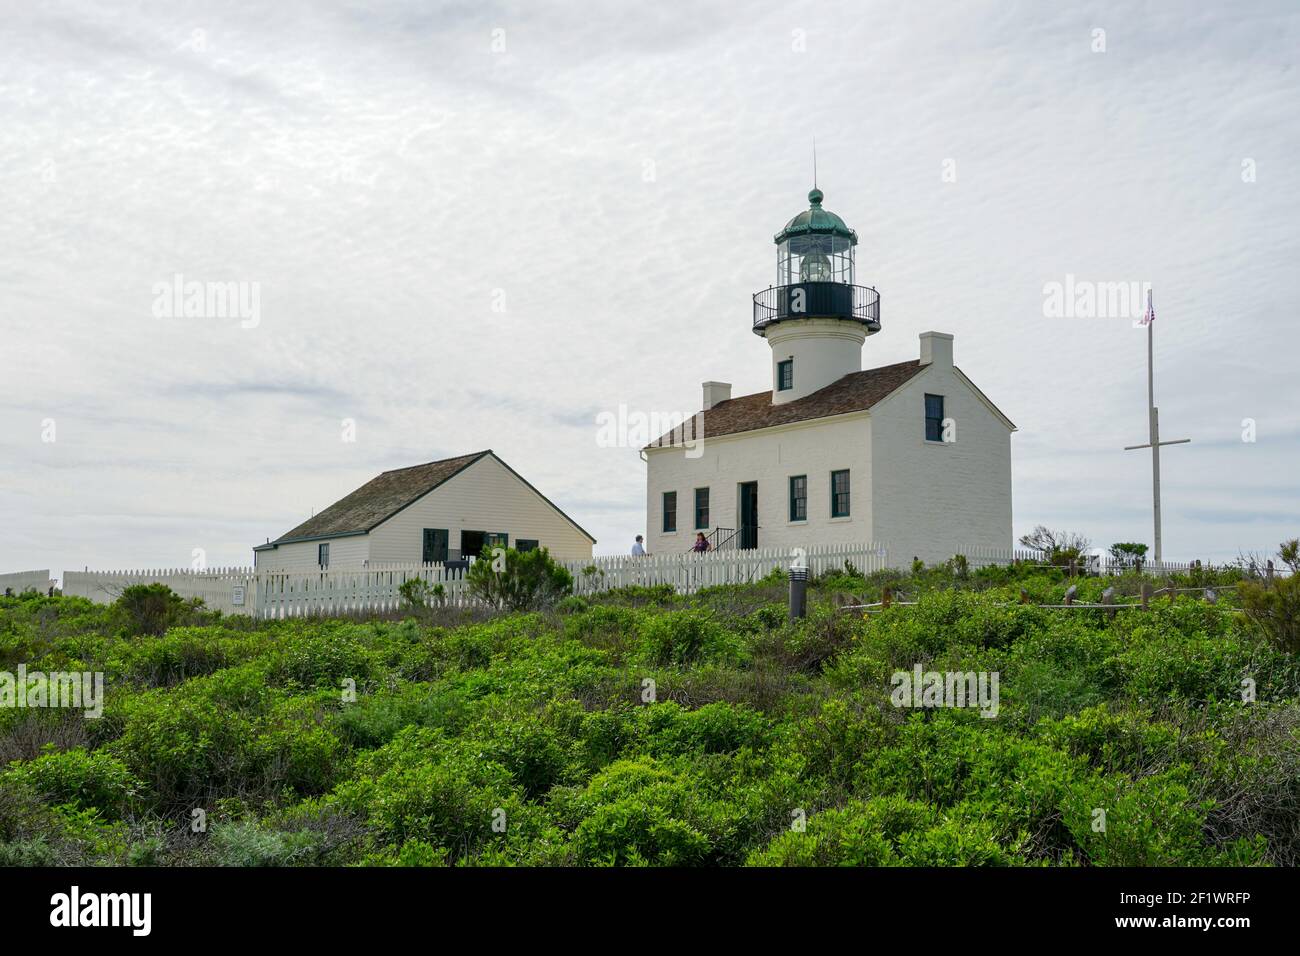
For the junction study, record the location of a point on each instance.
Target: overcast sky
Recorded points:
(479, 225)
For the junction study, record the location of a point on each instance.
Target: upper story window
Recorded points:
(701, 507)
(798, 497)
(670, 511)
(785, 375)
(934, 418)
(840, 494)
(323, 555)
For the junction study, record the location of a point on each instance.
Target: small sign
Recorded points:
(237, 595)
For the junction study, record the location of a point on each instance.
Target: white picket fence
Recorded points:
(230, 590)
(279, 594)
(356, 591)
(16, 582)
(689, 572)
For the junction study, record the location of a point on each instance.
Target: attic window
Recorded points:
(934, 418)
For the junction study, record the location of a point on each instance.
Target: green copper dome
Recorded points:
(816, 221)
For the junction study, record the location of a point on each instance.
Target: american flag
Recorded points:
(1149, 315)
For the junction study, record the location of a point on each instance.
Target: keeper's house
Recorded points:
(434, 512)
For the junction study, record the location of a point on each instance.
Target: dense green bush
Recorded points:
(639, 727)
(151, 609)
(519, 581)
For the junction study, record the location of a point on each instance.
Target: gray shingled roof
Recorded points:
(855, 392)
(379, 499)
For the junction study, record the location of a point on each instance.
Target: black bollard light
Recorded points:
(798, 593)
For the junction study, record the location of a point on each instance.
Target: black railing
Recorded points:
(722, 539)
(817, 300)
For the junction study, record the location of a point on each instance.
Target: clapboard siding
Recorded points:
(347, 552)
(486, 496)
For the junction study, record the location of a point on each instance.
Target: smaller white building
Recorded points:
(435, 512)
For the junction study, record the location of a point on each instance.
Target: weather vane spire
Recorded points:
(814, 162)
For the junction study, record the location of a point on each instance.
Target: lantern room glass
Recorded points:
(814, 258)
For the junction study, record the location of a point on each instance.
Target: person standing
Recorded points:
(638, 549)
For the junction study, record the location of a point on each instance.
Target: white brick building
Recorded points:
(911, 455)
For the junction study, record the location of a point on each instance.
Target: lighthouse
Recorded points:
(815, 318)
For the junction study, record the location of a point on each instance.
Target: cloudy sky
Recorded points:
(480, 224)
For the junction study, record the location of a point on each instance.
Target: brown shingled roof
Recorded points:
(855, 392)
(379, 499)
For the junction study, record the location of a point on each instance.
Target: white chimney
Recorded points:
(715, 392)
(936, 349)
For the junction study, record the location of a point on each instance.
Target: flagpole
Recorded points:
(1153, 425)
(1153, 422)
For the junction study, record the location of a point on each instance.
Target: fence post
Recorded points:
(1070, 593)
(1108, 597)
(1146, 595)
(1024, 596)
(886, 596)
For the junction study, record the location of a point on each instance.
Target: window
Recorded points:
(934, 418)
(323, 556)
(798, 497)
(497, 539)
(840, 494)
(785, 375)
(701, 507)
(525, 544)
(670, 511)
(434, 549)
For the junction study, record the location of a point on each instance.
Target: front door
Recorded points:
(435, 545)
(749, 514)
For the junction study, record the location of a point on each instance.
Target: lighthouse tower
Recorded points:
(815, 318)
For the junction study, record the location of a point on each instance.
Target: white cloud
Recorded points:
(381, 173)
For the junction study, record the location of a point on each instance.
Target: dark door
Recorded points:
(471, 543)
(435, 545)
(749, 514)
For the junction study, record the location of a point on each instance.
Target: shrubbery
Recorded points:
(639, 727)
(519, 581)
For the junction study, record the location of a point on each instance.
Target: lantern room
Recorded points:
(815, 246)
(815, 274)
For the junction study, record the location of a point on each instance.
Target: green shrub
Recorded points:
(684, 638)
(86, 780)
(151, 609)
(245, 843)
(506, 578)
(1274, 606)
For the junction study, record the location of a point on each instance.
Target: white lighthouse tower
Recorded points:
(815, 318)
